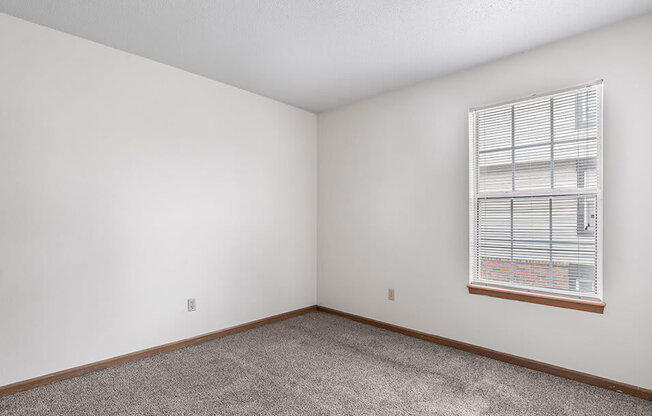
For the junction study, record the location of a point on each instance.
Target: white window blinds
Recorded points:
(536, 192)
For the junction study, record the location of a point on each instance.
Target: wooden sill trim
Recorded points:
(578, 304)
(100, 365)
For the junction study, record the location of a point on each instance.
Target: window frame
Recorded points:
(517, 291)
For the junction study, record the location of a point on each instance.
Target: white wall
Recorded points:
(393, 208)
(127, 186)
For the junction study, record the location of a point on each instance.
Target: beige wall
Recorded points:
(126, 187)
(393, 207)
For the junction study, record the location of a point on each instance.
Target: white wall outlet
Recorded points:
(192, 305)
(390, 294)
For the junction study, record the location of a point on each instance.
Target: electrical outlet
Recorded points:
(192, 305)
(390, 294)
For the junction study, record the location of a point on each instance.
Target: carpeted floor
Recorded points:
(319, 364)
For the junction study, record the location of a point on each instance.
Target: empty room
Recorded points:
(307, 207)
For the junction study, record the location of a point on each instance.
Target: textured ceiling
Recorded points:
(320, 54)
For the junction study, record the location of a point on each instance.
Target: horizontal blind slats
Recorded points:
(535, 192)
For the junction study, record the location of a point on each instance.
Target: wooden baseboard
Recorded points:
(474, 349)
(100, 365)
(605, 383)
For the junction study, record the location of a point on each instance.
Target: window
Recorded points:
(536, 194)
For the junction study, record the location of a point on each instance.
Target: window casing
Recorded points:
(536, 193)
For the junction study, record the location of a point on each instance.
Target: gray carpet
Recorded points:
(319, 364)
